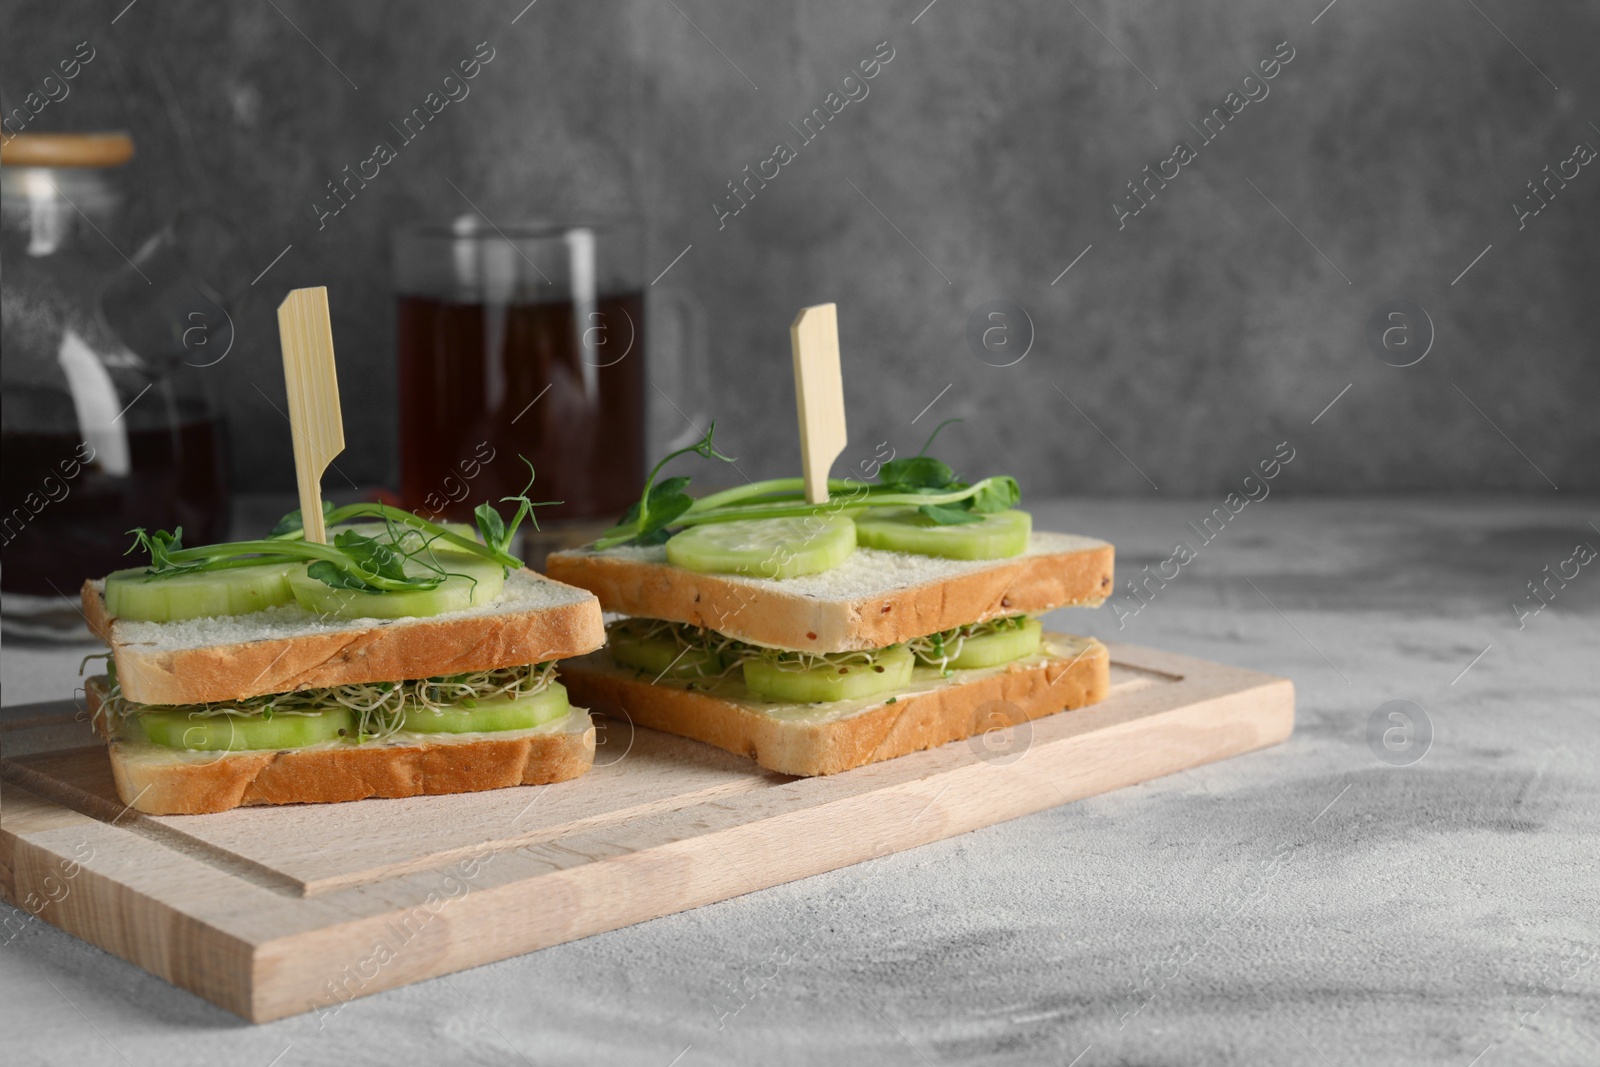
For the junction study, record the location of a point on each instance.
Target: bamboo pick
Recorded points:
(819, 395)
(306, 335)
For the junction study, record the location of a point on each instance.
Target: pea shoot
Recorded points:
(919, 481)
(399, 558)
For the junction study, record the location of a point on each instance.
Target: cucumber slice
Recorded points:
(520, 713)
(132, 594)
(1000, 534)
(221, 733)
(765, 548)
(1001, 646)
(473, 581)
(889, 670)
(660, 657)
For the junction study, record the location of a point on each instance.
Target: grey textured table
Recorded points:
(1311, 904)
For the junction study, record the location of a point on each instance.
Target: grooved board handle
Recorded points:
(306, 335)
(819, 395)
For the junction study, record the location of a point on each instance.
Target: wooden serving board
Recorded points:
(271, 912)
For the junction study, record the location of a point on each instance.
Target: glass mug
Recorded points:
(535, 342)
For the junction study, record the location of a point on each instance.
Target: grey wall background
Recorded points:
(994, 142)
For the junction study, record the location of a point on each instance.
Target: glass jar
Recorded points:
(105, 411)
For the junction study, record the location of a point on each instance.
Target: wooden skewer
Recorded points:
(819, 395)
(306, 335)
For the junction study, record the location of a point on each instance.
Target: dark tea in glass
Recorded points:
(527, 342)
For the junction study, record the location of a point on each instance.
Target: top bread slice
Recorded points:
(873, 599)
(287, 648)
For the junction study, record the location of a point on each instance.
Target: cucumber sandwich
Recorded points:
(897, 616)
(404, 657)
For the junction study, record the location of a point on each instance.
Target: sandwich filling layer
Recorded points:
(491, 701)
(1057, 655)
(134, 749)
(704, 659)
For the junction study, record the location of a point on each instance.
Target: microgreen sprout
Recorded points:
(380, 707)
(920, 482)
(399, 558)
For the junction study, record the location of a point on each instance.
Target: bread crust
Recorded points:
(353, 772)
(405, 649)
(951, 713)
(764, 613)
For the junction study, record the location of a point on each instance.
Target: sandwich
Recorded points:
(815, 638)
(403, 657)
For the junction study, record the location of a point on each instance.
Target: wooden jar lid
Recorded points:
(66, 150)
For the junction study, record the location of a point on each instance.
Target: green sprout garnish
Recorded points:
(937, 650)
(659, 505)
(400, 558)
(919, 481)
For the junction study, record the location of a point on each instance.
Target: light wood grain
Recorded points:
(306, 335)
(819, 394)
(275, 912)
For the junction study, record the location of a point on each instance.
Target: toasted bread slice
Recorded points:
(164, 781)
(874, 599)
(284, 649)
(811, 739)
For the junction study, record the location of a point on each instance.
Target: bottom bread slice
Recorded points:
(158, 780)
(812, 739)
